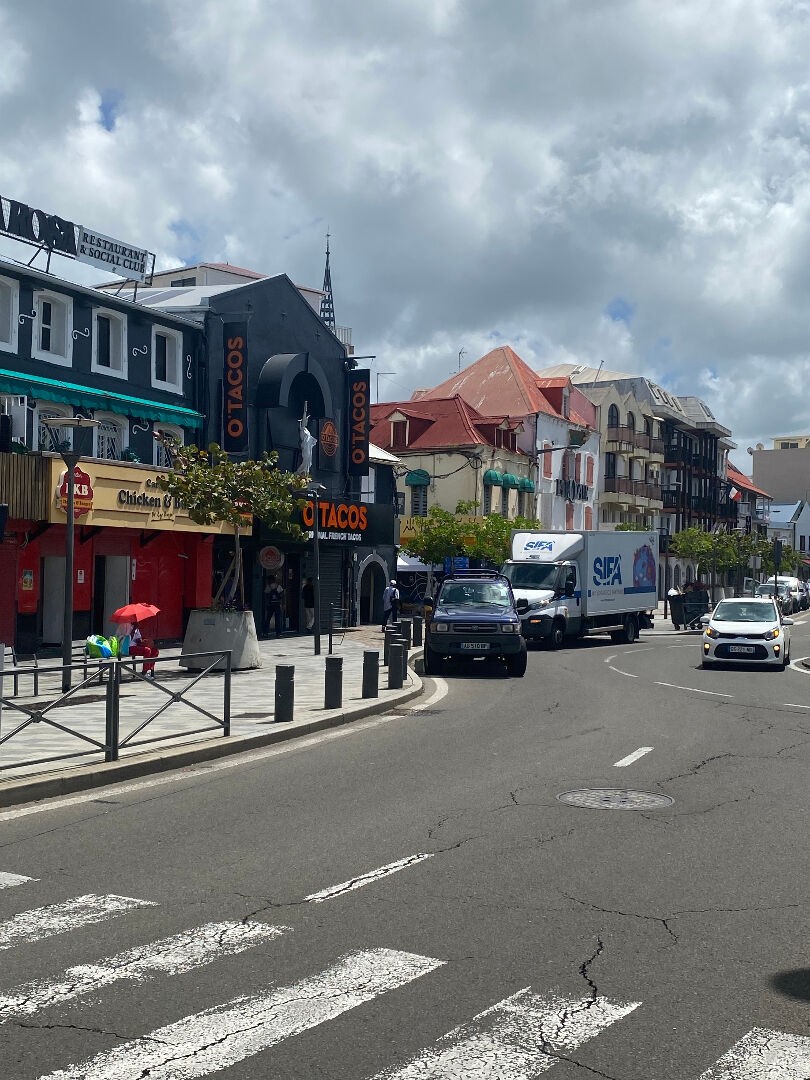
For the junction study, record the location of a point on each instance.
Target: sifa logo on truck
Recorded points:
(539, 545)
(607, 570)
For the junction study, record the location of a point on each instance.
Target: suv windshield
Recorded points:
(475, 594)
(745, 611)
(531, 575)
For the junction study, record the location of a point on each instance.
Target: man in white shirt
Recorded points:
(390, 599)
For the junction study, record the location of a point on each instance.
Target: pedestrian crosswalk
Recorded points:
(519, 1037)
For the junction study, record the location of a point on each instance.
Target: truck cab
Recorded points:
(548, 598)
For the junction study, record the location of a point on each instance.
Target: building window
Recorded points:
(167, 347)
(802, 540)
(548, 464)
(9, 312)
(53, 439)
(182, 282)
(589, 470)
(578, 468)
(569, 515)
(521, 504)
(487, 503)
(109, 439)
(613, 416)
(53, 329)
(110, 343)
(160, 455)
(368, 485)
(399, 434)
(610, 466)
(505, 502)
(419, 501)
(588, 518)
(631, 421)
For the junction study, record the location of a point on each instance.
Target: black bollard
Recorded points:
(333, 683)
(285, 693)
(395, 651)
(390, 633)
(406, 630)
(401, 642)
(371, 673)
(418, 623)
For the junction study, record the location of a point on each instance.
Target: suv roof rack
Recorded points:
(464, 573)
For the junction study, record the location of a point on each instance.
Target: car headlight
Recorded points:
(769, 635)
(711, 632)
(440, 627)
(510, 628)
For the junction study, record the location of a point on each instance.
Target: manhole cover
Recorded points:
(614, 799)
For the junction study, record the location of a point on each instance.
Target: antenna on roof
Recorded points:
(327, 311)
(596, 376)
(460, 354)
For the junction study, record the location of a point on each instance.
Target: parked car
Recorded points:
(794, 586)
(746, 630)
(804, 586)
(474, 616)
(784, 596)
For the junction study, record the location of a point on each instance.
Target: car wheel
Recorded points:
(556, 638)
(433, 664)
(516, 665)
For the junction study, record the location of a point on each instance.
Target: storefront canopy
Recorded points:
(525, 484)
(510, 480)
(493, 478)
(35, 386)
(417, 478)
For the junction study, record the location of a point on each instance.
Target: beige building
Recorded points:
(784, 469)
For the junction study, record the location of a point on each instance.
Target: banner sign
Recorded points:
(359, 413)
(235, 388)
(54, 233)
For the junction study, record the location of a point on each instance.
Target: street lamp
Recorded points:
(314, 492)
(71, 458)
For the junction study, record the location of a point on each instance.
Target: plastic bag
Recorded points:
(98, 647)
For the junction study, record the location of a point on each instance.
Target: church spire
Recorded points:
(327, 311)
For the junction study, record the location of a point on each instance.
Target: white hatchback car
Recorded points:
(746, 630)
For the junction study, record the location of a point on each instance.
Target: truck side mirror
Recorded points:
(522, 606)
(569, 589)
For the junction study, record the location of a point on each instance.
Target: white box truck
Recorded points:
(573, 584)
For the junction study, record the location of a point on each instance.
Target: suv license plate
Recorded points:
(475, 646)
(745, 649)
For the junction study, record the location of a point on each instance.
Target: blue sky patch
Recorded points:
(109, 108)
(620, 310)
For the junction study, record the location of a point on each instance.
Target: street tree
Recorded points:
(213, 488)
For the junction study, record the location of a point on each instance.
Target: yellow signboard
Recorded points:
(124, 496)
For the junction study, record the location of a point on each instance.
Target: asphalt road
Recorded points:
(408, 897)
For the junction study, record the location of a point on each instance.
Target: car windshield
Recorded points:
(475, 594)
(744, 611)
(767, 590)
(531, 575)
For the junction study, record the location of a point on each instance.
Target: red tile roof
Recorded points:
(743, 482)
(436, 423)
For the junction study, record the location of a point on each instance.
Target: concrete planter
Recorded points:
(215, 631)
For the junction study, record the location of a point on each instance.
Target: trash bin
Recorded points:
(676, 610)
(695, 604)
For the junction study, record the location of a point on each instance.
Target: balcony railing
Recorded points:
(621, 434)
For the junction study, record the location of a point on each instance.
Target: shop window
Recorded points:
(9, 312)
(160, 455)
(109, 439)
(419, 501)
(53, 329)
(110, 343)
(368, 486)
(53, 439)
(167, 370)
(548, 464)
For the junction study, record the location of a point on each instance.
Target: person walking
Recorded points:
(139, 647)
(274, 606)
(308, 598)
(390, 599)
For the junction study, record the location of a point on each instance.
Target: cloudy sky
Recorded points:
(624, 182)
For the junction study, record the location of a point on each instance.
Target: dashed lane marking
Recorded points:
(694, 690)
(8, 881)
(366, 879)
(625, 761)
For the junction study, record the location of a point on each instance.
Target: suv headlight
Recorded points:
(440, 627)
(769, 635)
(711, 632)
(510, 628)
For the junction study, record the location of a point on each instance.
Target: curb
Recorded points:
(84, 778)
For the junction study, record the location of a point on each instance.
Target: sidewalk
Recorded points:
(251, 709)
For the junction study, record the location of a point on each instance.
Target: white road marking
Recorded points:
(764, 1055)
(642, 750)
(206, 1042)
(248, 758)
(174, 955)
(366, 879)
(441, 691)
(791, 705)
(620, 672)
(8, 881)
(44, 922)
(513, 1040)
(710, 693)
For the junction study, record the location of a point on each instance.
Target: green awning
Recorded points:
(493, 478)
(35, 386)
(525, 484)
(417, 478)
(510, 480)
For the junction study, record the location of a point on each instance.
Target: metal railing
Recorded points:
(109, 674)
(339, 622)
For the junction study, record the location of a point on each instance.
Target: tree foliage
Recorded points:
(728, 552)
(214, 488)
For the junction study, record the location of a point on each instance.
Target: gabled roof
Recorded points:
(500, 382)
(438, 423)
(784, 513)
(743, 482)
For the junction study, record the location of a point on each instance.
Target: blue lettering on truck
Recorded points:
(539, 545)
(607, 570)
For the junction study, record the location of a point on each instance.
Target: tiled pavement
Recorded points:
(252, 714)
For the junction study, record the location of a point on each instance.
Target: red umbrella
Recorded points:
(134, 611)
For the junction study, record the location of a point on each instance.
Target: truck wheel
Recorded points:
(433, 664)
(629, 631)
(556, 639)
(516, 665)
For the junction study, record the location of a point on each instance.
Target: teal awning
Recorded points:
(493, 478)
(510, 480)
(525, 484)
(35, 386)
(417, 478)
